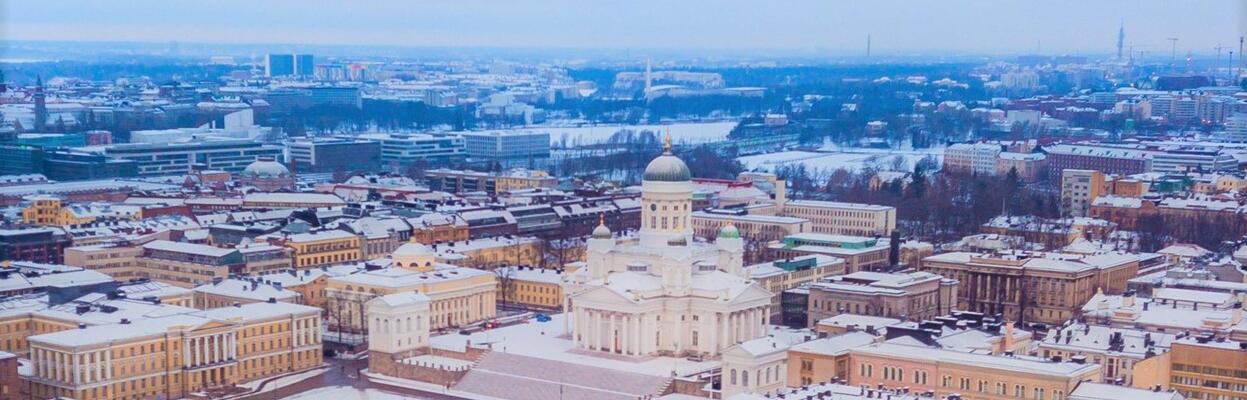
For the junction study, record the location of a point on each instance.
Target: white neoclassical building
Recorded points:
(664, 293)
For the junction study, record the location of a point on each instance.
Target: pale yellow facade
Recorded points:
(182, 359)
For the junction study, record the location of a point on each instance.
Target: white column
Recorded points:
(77, 371)
(186, 352)
(108, 364)
(597, 330)
(233, 345)
(612, 334)
(636, 328)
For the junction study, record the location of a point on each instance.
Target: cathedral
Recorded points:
(662, 292)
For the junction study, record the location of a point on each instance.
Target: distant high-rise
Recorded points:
(304, 65)
(289, 64)
(41, 107)
(648, 76)
(1121, 38)
(278, 64)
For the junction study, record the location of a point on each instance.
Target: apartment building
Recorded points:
(1129, 357)
(324, 248)
(1079, 188)
(461, 181)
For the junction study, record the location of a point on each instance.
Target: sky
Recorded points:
(895, 26)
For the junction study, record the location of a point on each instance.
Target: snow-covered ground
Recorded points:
(544, 340)
(850, 159)
(348, 393)
(685, 132)
(283, 381)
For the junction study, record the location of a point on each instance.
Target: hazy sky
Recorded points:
(896, 26)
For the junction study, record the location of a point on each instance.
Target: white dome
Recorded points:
(266, 169)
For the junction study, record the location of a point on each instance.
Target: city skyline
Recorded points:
(895, 28)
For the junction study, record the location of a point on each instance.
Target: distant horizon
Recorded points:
(952, 27)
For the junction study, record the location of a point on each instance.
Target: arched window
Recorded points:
(744, 378)
(733, 376)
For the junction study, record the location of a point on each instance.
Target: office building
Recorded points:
(508, 148)
(402, 151)
(289, 64)
(42, 245)
(318, 155)
(859, 253)
(159, 159)
(838, 218)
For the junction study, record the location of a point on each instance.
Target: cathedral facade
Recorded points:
(664, 293)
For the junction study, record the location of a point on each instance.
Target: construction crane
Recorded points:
(1217, 64)
(1173, 52)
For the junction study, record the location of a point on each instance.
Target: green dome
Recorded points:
(601, 232)
(729, 231)
(667, 168)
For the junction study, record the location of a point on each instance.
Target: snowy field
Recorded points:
(544, 340)
(681, 133)
(852, 160)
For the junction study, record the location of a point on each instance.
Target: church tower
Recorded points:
(666, 201)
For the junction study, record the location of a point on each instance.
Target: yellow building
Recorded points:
(246, 290)
(492, 252)
(973, 376)
(186, 264)
(50, 210)
(173, 355)
(823, 359)
(518, 179)
(324, 248)
(119, 262)
(43, 210)
(530, 287)
(458, 296)
(1209, 369)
